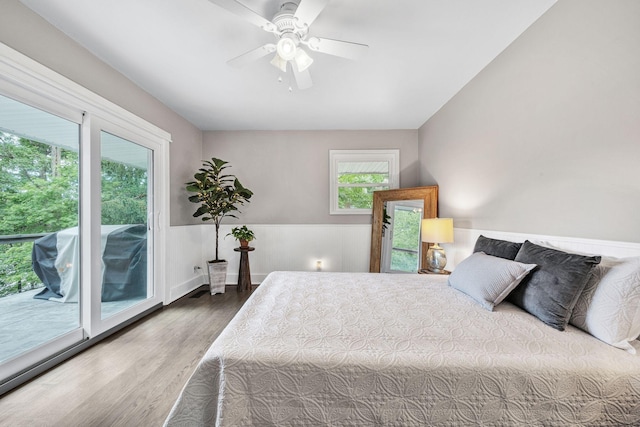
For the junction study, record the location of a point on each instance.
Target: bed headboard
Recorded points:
(465, 239)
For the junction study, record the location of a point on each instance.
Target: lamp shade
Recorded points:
(286, 48)
(302, 60)
(279, 63)
(437, 230)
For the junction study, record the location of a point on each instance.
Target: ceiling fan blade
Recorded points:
(337, 47)
(303, 78)
(252, 55)
(247, 14)
(308, 11)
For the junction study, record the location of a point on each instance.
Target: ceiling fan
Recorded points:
(291, 29)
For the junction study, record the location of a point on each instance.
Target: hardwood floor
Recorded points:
(131, 378)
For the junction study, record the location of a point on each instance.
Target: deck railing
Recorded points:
(20, 238)
(16, 286)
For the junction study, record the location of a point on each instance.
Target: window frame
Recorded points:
(392, 156)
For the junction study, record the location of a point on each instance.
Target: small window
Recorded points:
(356, 174)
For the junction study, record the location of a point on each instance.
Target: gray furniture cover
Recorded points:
(55, 260)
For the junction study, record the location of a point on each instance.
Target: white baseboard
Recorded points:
(180, 290)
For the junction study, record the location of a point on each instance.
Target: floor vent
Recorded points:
(199, 294)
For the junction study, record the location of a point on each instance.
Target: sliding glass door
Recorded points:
(39, 235)
(120, 213)
(126, 223)
(83, 185)
(80, 228)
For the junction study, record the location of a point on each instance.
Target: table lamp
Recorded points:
(436, 231)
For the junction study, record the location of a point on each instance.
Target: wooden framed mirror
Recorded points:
(429, 198)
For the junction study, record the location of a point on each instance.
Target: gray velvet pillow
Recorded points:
(550, 292)
(495, 247)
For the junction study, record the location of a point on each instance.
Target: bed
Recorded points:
(363, 349)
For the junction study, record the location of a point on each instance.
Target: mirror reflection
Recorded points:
(401, 245)
(395, 233)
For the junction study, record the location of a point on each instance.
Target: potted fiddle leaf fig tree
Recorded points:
(219, 194)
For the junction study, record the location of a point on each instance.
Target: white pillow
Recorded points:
(488, 279)
(609, 306)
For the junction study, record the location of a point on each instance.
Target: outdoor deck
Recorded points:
(26, 322)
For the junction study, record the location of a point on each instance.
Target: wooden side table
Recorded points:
(244, 274)
(425, 271)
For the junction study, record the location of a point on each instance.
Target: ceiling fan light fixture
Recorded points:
(279, 63)
(290, 27)
(286, 48)
(302, 60)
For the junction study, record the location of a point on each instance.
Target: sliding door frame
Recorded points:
(91, 254)
(29, 82)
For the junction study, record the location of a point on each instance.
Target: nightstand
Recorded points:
(425, 271)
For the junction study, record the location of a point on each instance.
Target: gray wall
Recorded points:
(34, 37)
(546, 139)
(288, 171)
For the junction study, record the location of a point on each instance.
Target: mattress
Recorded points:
(356, 349)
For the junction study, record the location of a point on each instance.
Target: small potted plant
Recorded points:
(243, 235)
(219, 194)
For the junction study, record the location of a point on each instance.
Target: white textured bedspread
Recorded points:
(363, 349)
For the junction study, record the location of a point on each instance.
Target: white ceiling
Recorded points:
(422, 52)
